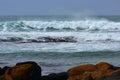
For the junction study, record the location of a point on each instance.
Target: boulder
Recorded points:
(81, 69)
(104, 66)
(100, 71)
(23, 71)
(31, 71)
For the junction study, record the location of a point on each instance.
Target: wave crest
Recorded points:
(38, 26)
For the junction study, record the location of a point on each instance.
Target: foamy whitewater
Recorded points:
(59, 42)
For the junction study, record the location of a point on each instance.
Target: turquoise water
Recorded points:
(59, 42)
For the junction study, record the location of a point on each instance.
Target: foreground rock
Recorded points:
(23, 71)
(28, 71)
(31, 71)
(100, 71)
(54, 76)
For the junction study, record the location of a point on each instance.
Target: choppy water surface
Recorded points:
(59, 42)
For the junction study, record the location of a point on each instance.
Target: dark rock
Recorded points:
(116, 67)
(2, 71)
(80, 28)
(115, 75)
(68, 29)
(51, 29)
(11, 39)
(56, 76)
(24, 71)
(31, 41)
(57, 39)
(14, 39)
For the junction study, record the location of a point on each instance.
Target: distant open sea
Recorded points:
(59, 42)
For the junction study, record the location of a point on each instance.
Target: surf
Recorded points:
(59, 26)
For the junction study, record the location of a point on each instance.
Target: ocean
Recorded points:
(59, 42)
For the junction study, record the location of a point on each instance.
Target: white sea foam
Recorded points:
(82, 30)
(58, 36)
(81, 25)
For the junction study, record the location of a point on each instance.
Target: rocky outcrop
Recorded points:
(56, 76)
(104, 66)
(81, 69)
(23, 71)
(32, 71)
(100, 71)
(28, 71)
(39, 39)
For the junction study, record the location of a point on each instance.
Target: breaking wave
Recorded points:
(44, 26)
(86, 30)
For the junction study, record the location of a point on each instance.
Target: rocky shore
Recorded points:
(32, 71)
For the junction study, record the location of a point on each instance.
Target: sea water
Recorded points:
(58, 42)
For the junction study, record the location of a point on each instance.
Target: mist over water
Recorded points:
(57, 42)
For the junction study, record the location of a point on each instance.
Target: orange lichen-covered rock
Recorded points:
(81, 69)
(104, 66)
(23, 71)
(84, 76)
(114, 75)
(91, 72)
(82, 72)
(101, 73)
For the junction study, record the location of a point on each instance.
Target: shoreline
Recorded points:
(32, 71)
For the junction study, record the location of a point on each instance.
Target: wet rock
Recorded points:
(67, 29)
(31, 41)
(51, 29)
(14, 39)
(56, 76)
(11, 39)
(79, 28)
(56, 39)
(23, 71)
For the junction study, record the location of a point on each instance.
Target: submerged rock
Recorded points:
(12, 39)
(56, 39)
